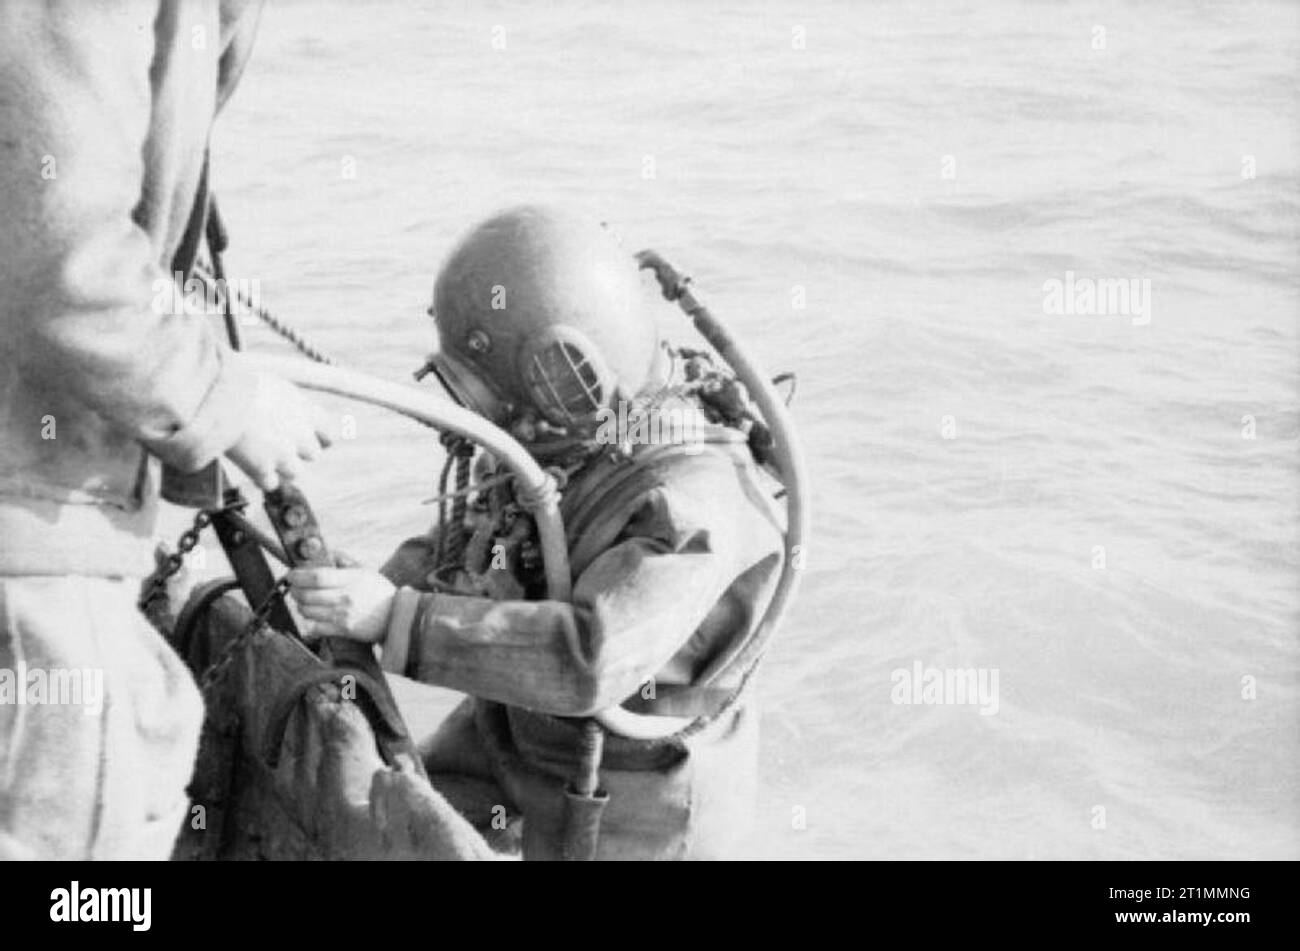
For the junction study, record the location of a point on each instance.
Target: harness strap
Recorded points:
(188, 249)
(253, 573)
(293, 520)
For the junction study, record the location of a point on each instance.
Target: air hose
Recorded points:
(536, 487)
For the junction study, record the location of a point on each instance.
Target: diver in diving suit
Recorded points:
(544, 329)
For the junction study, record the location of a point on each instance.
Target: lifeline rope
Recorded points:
(279, 327)
(461, 451)
(439, 555)
(295, 339)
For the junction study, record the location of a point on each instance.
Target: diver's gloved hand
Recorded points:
(284, 431)
(343, 602)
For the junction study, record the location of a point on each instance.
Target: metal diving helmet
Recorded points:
(543, 322)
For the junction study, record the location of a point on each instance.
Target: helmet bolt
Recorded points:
(310, 547)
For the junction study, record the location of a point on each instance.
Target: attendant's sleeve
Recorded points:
(633, 608)
(83, 296)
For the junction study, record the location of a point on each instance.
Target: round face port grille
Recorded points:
(565, 376)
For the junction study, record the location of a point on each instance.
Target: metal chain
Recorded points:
(222, 664)
(156, 583)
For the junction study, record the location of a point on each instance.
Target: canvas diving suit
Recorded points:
(674, 555)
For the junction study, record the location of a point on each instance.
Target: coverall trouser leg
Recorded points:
(97, 768)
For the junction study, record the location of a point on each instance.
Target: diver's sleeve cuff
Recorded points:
(397, 642)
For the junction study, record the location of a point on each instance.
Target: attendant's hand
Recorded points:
(284, 432)
(343, 602)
